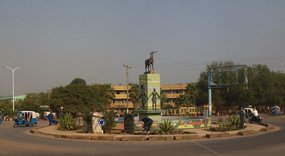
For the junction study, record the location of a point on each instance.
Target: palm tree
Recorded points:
(189, 98)
(135, 95)
(192, 92)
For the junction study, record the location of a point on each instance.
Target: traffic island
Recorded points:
(193, 134)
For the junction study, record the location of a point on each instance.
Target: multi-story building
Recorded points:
(170, 91)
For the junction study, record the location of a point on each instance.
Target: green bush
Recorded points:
(221, 125)
(109, 117)
(233, 122)
(166, 126)
(67, 122)
(87, 122)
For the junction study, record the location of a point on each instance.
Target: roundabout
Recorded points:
(190, 134)
(18, 141)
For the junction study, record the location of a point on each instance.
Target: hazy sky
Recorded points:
(55, 41)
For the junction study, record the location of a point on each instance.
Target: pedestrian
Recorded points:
(50, 118)
(147, 124)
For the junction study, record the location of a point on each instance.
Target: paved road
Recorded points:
(16, 141)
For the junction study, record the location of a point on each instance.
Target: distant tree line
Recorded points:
(264, 88)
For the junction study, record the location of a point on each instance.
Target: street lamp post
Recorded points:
(127, 85)
(13, 84)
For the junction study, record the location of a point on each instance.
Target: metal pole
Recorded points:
(210, 92)
(13, 84)
(127, 85)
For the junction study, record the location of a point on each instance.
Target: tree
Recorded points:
(163, 100)
(79, 81)
(265, 87)
(34, 102)
(189, 98)
(79, 97)
(228, 91)
(6, 108)
(135, 95)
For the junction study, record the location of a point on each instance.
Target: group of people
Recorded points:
(251, 114)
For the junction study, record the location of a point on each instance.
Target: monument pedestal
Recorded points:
(155, 115)
(150, 87)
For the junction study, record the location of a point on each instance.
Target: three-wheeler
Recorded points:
(25, 118)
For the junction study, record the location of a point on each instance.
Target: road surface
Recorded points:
(16, 141)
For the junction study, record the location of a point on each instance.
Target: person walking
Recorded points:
(50, 118)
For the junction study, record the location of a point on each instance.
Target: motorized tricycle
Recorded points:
(25, 118)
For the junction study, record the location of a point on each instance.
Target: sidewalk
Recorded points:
(193, 134)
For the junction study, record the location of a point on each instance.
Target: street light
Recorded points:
(127, 84)
(13, 85)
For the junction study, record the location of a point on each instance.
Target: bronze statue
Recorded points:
(149, 62)
(154, 95)
(143, 97)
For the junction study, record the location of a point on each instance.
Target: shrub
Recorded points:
(109, 117)
(87, 122)
(221, 125)
(166, 126)
(67, 122)
(233, 122)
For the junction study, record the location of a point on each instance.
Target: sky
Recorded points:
(56, 41)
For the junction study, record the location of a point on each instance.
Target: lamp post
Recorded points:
(13, 84)
(127, 85)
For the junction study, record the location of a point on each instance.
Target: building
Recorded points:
(17, 98)
(170, 91)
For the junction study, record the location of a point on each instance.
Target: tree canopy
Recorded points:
(264, 88)
(79, 97)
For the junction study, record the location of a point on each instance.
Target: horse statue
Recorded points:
(149, 62)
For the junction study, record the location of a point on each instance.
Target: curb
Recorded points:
(247, 132)
(218, 135)
(173, 137)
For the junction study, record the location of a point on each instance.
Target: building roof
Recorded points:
(174, 86)
(19, 97)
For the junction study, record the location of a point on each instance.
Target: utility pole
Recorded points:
(127, 84)
(13, 84)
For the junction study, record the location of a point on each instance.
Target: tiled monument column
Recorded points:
(150, 105)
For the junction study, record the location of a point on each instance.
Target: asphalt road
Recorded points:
(16, 141)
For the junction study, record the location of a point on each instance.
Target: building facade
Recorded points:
(170, 91)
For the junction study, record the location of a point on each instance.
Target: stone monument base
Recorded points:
(155, 115)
